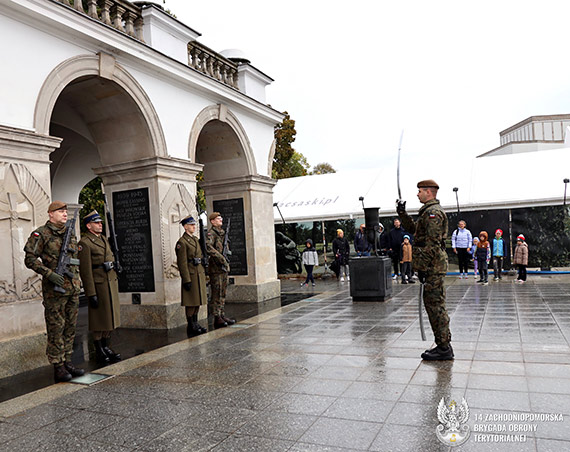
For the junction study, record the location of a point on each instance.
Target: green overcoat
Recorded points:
(93, 251)
(188, 248)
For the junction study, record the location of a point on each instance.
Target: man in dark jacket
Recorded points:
(395, 240)
(361, 244)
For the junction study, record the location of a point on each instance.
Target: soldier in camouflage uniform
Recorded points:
(218, 269)
(430, 261)
(42, 252)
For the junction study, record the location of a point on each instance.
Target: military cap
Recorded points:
(429, 183)
(57, 205)
(214, 215)
(92, 217)
(188, 220)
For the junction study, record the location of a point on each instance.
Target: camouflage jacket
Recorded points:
(215, 247)
(430, 232)
(42, 253)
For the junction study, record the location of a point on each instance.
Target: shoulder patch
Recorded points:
(178, 246)
(79, 247)
(432, 215)
(36, 234)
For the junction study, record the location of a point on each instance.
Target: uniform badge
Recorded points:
(452, 430)
(178, 246)
(36, 234)
(431, 215)
(79, 247)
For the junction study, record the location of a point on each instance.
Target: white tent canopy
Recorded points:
(497, 182)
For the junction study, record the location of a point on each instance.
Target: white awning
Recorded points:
(497, 182)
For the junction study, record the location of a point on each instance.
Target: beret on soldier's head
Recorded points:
(92, 217)
(188, 220)
(428, 183)
(57, 205)
(214, 215)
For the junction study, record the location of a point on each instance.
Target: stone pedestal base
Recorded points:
(22, 354)
(253, 293)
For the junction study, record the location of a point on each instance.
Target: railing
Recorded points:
(119, 14)
(212, 64)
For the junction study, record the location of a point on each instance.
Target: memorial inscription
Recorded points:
(132, 223)
(233, 209)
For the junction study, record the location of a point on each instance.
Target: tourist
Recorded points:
(521, 258)
(310, 260)
(461, 241)
(341, 251)
(482, 254)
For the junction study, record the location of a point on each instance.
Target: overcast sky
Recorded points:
(452, 74)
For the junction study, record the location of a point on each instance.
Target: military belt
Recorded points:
(107, 266)
(197, 261)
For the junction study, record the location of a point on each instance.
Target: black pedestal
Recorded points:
(370, 278)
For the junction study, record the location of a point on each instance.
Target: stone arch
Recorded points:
(271, 155)
(221, 113)
(103, 66)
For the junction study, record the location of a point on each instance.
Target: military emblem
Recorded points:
(454, 430)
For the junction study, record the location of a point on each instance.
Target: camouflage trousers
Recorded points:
(60, 313)
(434, 302)
(218, 288)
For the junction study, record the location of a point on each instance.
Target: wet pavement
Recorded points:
(327, 374)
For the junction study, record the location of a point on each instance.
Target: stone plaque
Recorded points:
(132, 223)
(233, 209)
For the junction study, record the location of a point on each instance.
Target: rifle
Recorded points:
(202, 239)
(112, 233)
(65, 260)
(226, 252)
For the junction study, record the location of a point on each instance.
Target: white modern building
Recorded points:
(126, 92)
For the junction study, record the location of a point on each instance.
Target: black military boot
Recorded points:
(227, 320)
(197, 326)
(191, 329)
(113, 357)
(439, 353)
(100, 355)
(74, 371)
(219, 322)
(60, 373)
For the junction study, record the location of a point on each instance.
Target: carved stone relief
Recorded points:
(23, 206)
(177, 204)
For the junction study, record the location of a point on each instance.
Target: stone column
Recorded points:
(261, 281)
(171, 185)
(24, 199)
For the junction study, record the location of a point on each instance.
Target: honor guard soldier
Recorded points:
(60, 291)
(430, 261)
(218, 270)
(192, 275)
(101, 285)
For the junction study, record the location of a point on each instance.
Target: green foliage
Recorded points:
(200, 196)
(323, 168)
(91, 196)
(287, 162)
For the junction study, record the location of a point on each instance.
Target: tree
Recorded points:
(323, 168)
(91, 196)
(287, 162)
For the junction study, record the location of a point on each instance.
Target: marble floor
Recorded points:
(327, 374)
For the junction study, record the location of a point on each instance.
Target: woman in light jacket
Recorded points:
(310, 260)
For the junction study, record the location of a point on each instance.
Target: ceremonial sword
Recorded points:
(420, 307)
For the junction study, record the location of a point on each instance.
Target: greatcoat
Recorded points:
(93, 251)
(187, 249)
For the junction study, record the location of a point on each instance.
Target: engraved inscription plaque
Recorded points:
(233, 209)
(132, 223)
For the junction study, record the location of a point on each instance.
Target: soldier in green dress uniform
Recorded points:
(429, 259)
(192, 275)
(60, 308)
(97, 269)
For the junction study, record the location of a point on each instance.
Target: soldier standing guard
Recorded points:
(430, 261)
(60, 308)
(192, 274)
(218, 270)
(97, 269)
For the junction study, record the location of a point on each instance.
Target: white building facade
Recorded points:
(125, 92)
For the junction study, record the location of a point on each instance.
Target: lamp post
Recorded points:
(565, 185)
